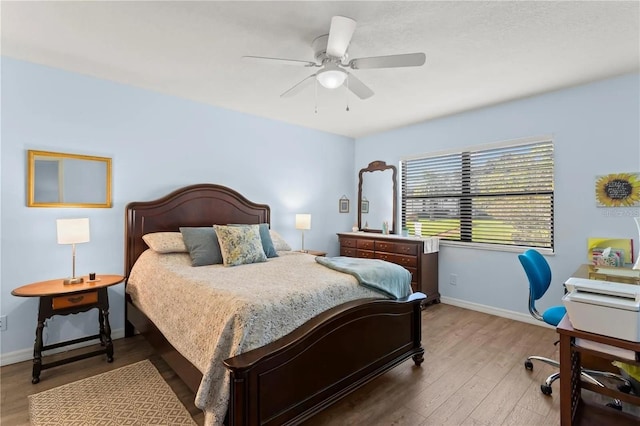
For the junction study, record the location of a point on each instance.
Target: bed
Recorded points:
(280, 382)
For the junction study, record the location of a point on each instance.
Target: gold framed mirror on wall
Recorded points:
(56, 179)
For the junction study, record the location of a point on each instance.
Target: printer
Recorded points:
(603, 307)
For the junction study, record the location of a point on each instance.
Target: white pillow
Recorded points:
(278, 242)
(165, 242)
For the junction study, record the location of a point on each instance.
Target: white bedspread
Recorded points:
(210, 313)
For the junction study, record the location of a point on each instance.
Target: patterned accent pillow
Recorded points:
(240, 245)
(265, 237)
(165, 242)
(278, 242)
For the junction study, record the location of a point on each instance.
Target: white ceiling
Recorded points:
(478, 53)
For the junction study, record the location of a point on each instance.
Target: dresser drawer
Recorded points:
(348, 242)
(385, 246)
(366, 254)
(411, 249)
(72, 300)
(411, 261)
(365, 244)
(400, 248)
(347, 251)
(414, 275)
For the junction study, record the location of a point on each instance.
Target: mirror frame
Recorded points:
(31, 158)
(373, 167)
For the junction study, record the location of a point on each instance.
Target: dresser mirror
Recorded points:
(377, 197)
(57, 179)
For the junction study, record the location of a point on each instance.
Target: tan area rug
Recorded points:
(132, 395)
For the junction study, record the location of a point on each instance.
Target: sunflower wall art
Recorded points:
(618, 190)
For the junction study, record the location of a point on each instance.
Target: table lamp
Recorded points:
(303, 222)
(73, 231)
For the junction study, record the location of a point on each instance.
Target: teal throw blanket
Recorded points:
(385, 277)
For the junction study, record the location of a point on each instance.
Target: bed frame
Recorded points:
(291, 379)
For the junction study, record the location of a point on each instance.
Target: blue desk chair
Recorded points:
(539, 275)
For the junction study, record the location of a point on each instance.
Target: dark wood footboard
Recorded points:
(330, 356)
(309, 369)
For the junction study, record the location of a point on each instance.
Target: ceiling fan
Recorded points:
(332, 58)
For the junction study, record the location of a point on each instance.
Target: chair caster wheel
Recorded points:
(614, 406)
(546, 389)
(35, 380)
(624, 388)
(528, 365)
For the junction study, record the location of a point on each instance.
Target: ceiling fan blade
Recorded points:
(391, 61)
(340, 34)
(298, 87)
(360, 89)
(281, 61)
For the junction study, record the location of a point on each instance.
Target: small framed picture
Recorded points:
(365, 206)
(343, 205)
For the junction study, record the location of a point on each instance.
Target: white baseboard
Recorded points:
(27, 354)
(517, 316)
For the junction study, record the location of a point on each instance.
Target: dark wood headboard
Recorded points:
(195, 205)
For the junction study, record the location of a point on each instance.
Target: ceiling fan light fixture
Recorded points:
(331, 77)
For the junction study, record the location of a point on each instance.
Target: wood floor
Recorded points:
(473, 374)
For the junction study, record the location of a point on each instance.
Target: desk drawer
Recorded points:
(72, 300)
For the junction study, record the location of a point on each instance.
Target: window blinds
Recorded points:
(495, 195)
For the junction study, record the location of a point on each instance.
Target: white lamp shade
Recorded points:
(303, 221)
(73, 231)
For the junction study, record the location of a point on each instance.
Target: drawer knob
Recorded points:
(75, 299)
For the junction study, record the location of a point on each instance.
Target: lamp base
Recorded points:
(74, 280)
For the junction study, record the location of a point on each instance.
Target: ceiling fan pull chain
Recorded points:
(347, 93)
(316, 96)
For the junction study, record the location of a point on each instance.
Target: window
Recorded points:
(501, 194)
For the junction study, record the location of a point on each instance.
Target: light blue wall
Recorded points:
(596, 129)
(158, 143)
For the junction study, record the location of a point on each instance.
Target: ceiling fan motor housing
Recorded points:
(319, 46)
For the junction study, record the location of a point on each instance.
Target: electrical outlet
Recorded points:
(453, 279)
(3, 323)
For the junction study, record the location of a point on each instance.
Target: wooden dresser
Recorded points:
(404, 251)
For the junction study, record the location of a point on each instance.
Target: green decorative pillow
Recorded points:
(240, 244)
(265, 237)
(165, 242)
(202, 244)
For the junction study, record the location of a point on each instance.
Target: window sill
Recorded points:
(495, 247)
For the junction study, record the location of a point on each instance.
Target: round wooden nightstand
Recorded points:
(57, 298)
